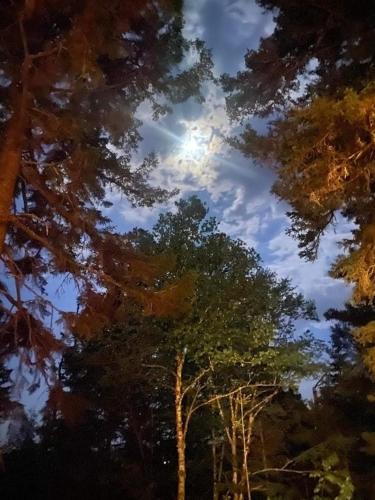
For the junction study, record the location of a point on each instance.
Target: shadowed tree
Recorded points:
(241, 316)
(149, 386)
(72, 76)
(318, 47)
(313, 79)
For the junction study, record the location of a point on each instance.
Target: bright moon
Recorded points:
(190, 147)
(195, 146)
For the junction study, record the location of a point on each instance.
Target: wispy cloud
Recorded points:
(237, 191)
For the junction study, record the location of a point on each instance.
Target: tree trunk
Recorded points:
(11, 151)
(246, 436)
(234, 456)
(215, 492)
(180, 432)
(10, 164)
(217, 469)
(234, 468)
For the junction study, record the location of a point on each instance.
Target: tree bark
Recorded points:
(215, 492)
(10, 164)
(11, 151)
(247, 435)
(234, 468)
(180, 431)
(234, 456)
(217, 469)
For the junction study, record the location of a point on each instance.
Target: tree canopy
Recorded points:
(188, 369)
(316, 90)
(237, 337)
(73, 75)
(317, 47)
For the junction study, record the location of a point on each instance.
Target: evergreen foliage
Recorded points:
(313, 79)
(73, 75)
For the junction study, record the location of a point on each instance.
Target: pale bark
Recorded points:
(234, 457)
(180, 432)
(247, 432)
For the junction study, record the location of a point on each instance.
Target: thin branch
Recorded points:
(230, 393)
(263, 403)
(194, 382)
(226, 428)
(276, 469)
(46, 53)
(161, 367)
(23, 37)
(190, 411)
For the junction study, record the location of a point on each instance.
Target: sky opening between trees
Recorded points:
(187, 242)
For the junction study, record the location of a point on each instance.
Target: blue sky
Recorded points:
(195, 159)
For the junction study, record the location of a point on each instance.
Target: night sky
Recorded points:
(195, 159)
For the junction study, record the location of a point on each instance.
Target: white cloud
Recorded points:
(238, 192)
(248, 17)
(194, 28)
(311, 278)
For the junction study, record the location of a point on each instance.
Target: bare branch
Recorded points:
(160, 367)
(276, 469)
(195, 381)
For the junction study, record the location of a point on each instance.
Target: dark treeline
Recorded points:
(178, 376)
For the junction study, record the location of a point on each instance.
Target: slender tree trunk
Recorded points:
(246, 432)
(233, 400)
(180, 432)
(234, 467)
(215, 493)
(247, 435)
(217, 460)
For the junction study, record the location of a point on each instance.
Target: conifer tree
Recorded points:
(313, 79)
(73, 74)
(318, 47)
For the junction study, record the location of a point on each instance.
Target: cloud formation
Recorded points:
(237, 192)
